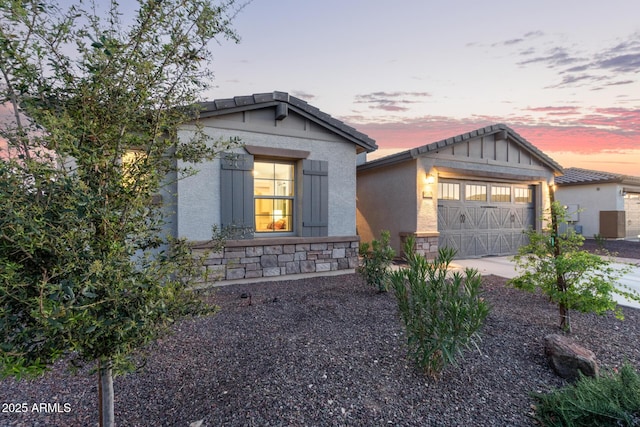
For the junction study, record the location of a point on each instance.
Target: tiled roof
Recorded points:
(578, 176)
(438, 145)
(262, 100)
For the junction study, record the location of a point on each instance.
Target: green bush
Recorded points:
(376, 260)
(607, 400)
(442, 312)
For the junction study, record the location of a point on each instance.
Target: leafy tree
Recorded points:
(85, 263)
(572, 278)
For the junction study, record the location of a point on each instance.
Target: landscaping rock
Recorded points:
(568, 358)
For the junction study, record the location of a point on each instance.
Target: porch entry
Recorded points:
(481, 218)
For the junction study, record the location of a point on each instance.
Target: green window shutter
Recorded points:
(236, 193)
(315, 198)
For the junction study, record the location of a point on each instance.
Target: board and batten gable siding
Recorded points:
(199, 205)
(262, 121)
(490, 154)
(495, 147)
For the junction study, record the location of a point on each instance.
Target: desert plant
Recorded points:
(600, 241)
(572, 278)
(376, 260)
(608, 400)
(442, 312)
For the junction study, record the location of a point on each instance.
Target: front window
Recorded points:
(131, 161)
(274, 190)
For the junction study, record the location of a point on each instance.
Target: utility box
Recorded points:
(612, 224)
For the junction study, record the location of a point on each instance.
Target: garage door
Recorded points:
(632, 214)
(484, 218)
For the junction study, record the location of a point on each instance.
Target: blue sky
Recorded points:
(563, 74)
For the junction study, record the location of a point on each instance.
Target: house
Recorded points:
(289, 190)
(476, 192)
(601, 203)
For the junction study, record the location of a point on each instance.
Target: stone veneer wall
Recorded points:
(269, 257)
(426, 244)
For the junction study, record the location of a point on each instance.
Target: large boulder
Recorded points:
(568, 358)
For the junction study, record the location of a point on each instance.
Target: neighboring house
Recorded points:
(601, 203)
(476, 192)
(292, 186)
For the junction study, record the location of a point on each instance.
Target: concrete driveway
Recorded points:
(505, 267)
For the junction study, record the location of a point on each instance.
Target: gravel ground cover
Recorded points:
(328, 351)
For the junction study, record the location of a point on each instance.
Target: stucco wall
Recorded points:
(591, 199)
(426, 196)
(199, 195)
(403, 197)
(387, 201)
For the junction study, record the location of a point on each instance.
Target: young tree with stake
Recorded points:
(572, 278)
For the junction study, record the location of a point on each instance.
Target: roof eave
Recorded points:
(266, 100)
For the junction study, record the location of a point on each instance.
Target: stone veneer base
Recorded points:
(426, 243)
(279, 256)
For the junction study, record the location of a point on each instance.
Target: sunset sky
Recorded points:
(563, 74)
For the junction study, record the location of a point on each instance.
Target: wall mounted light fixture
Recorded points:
(430, 180)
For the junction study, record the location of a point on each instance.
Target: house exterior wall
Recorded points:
(590, 199)
(387, 201)
(402, 197)
(199, 204)
(199, 201)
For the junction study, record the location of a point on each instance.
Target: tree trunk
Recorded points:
(565, 318)
(105, 394)
(565, 321)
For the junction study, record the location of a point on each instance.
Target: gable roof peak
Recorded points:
(220, 107)
(443, 143)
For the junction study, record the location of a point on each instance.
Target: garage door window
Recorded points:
(477, 193)
(448, 191)
(523, 195)
(500, 194)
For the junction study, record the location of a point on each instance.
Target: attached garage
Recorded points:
(607, 204)
(480, 218)
(476, 193)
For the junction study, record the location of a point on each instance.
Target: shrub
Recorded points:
(608, 400)
(376, 260)
(600, 242)
(442, 313)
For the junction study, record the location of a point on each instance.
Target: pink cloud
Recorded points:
(607, 129)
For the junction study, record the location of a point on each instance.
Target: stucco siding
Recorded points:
(387, 201)
(199, 195)
(427, 196)
(591, 199)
